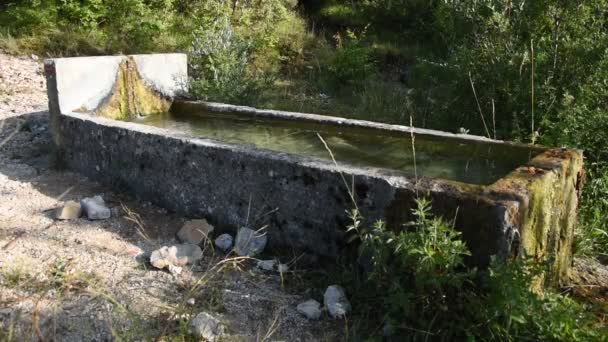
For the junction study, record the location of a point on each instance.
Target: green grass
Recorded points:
(14, 276)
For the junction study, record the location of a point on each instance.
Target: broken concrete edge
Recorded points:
(186, 106)
(503, 217)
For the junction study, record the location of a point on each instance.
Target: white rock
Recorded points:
(71, 210)
(267, 265)
(175, 270)
(177, 255)
(95, 208)
(282, 268)
(195, 231)
(191, 301)
(224, 242)
(336, 302)
(310, 308)
(206, 326)
(250, 242)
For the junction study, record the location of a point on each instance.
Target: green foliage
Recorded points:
(218, 64)
(420, 286)
(236, 52)
(116, 25)
(417, 270)
(537, 72)
(14, 276)
(514, 312)
(350, 62)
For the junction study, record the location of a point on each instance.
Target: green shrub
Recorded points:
(350, 63)
(219, 66)
(420, 286)
(418, 271)
(117, 26)
(512, 312)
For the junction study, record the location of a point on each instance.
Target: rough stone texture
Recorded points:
(530, 212)
(177, 255)
(71, 210)
(267, 265)
(206, 326)
(336, 303)
(194, 231)
(310, 308)
(250, 242)
(215, 180)
(224, 242)
(95, 208)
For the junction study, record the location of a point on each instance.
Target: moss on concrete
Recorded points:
(131, 97)
(548, 189)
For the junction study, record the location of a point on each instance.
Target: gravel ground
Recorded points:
(86, 280)
(22, 85)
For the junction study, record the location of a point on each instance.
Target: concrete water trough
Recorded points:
(119, 120)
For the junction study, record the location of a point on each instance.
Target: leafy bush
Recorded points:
(420, 286)
(117, 25)
(536, 71)
(350, 63)
(513, 312)
(416, 269)
(219, 66)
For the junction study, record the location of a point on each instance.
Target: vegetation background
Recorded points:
(530, 71)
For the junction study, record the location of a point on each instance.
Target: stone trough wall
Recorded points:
(302, 201)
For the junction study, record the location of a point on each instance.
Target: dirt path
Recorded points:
(91, 280)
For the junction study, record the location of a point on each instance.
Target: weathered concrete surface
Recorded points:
(84, 82)
(131, 97)
(203, 178)
(114, 86)
(531, 212)
(165, 73)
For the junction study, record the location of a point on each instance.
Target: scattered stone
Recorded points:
(249, 242)
(71, 210)
(310, 308)
(195, 231)
(191, 301)
(206, 326)
(95, 208)
(283, 268)
(224, 242)
(267, 265)
(175, 270)
(177, 255)
(336, 302)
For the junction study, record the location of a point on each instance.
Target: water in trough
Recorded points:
(468, 162)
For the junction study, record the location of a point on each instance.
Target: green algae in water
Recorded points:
(474, 163)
